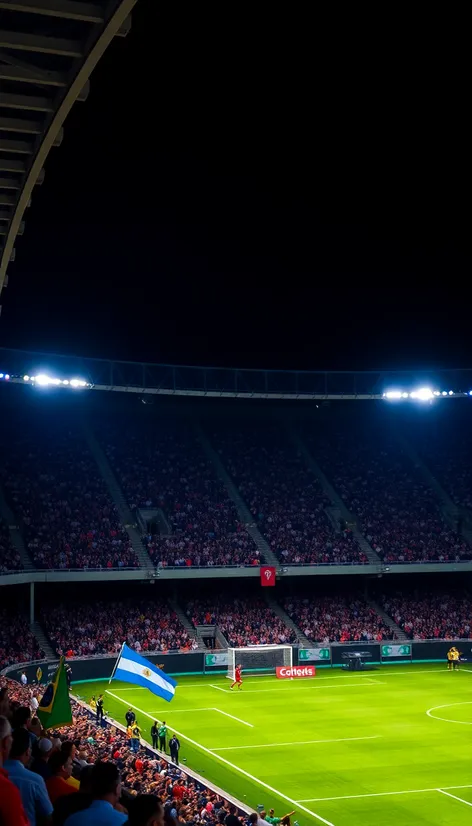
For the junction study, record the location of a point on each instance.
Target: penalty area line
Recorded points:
(238, 719)
(227, 762)
(297, 743)
(378, 794)
(460, 799)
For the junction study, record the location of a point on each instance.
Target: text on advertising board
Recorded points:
(289, 673)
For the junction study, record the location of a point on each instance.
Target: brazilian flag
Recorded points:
(54, 709)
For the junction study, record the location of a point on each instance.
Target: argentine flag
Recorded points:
(132, 668)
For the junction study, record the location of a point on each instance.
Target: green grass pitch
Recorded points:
(340, 748)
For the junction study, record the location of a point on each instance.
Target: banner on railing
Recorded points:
(311, 654)
(220, 658)
(396, 651)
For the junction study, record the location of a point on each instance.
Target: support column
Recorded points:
(31, 603)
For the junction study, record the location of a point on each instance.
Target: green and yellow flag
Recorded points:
(54, 709)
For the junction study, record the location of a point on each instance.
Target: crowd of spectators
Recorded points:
(80, 629)
(9, 557)
(55, 487)
(447, 451)
(72, 765)
(284, 497)
(243, 621)
(163, 466)
(337, 619)
(17, 643)
(398, 514)
(431, 616)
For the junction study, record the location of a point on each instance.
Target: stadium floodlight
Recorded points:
(424, 394)
(259, 659)
(393, 394)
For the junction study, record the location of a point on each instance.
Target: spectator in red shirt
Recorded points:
(60, 765)
(12, 812)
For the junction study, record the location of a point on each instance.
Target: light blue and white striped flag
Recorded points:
(132, 668)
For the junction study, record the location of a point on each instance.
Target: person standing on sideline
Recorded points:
(162, 737)
(174, 746)
(130, 717)
(155, 734)
(23, 679)
(99, 711)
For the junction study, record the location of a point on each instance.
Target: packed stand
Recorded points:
(54, 486)
(9, 557)
(337, 619)
(436, 616)
(69, 763)
(162, 466)
(17, 643)
(78, 629)
(284, 497)
(448, 454)
(397, 512)
(245, 621)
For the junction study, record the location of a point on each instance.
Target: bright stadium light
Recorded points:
(424, 394)
(391, 395)
(26, 378)
(41, 379)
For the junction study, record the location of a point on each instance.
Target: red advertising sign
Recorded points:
(267, 575)
(286, 672)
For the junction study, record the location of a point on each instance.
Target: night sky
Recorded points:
(229, 195)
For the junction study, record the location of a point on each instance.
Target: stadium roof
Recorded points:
(48, 49)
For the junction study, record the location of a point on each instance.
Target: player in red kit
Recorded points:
(238, 680)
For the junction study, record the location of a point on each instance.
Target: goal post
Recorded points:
(259, 659)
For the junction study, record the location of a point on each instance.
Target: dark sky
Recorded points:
(249, 192)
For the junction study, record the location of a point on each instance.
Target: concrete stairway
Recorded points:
(43, 640)
(334, 496)
(245, 516)
(184, 620)
(15, 533)
(126, 517)
(400, 634)
(279, 611)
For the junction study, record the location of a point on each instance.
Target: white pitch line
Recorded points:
(221, 689)
(446, 719)
(299, 688)
(460, 799)
(231, 765)
(238, 719)
(299, 743)
(378, 794)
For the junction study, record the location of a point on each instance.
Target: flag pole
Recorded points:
(116, 664)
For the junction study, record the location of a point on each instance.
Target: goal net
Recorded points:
(262, 659)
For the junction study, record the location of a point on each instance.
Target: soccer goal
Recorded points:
(260, 659)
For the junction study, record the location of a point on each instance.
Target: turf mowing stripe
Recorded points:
(299, 743)
(378, 794)
(231, 765)
(238, 719)
(183, 710)
(460, 799)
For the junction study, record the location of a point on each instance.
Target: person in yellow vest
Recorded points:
(453, 657)
(129, 734)
(93, 703)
